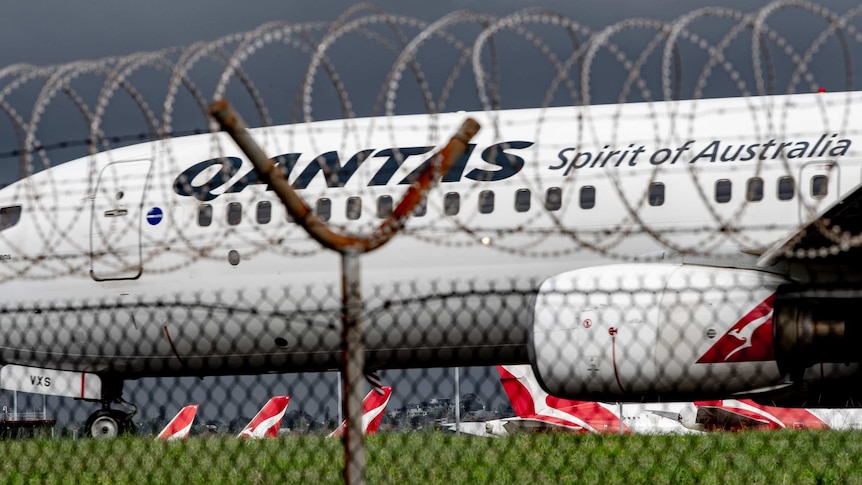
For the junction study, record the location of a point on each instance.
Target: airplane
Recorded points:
(372, 411)
(266, 422)
(532, 404)
(179, 427)
(746, 414)
(536, 410)
(660, 251)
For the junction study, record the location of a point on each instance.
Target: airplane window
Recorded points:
(9, 216)
(656, 194)
(323, 209)
(553, 199)
(234, 213)
(486, 201)
(722, 191)
(205, 215)
(522, 200)
(755, 189)
(785, 188)
(354, 208)
(264, 212)
(451, 203)
(384, 206)
(819, 186)
(421, 208)
(588, 197)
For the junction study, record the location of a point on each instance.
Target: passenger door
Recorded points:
(115, 224)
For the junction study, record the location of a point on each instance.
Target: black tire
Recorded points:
(105, 424)
(110, 423)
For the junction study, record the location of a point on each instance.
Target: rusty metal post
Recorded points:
(353, 363)
(350, 247)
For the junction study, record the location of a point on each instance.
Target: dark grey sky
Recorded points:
(55, 31)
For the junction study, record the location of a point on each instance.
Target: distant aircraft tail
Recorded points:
(179, 427)
(372, 411)
(734, 415)
(531, 402)
(266, 423)
(522, 388)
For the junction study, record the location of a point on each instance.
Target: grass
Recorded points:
(792, 457)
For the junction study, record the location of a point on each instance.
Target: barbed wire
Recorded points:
(408, 39)
(137, 244)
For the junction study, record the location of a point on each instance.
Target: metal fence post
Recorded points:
(350, 248)
(353, 354)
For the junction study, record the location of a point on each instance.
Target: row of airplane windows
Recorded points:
(786, 189)
(385, 206)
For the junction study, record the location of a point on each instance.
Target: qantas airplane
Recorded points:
(179, 427)
(536, 410)
(669, 251)
(372, 411)
(266, 422)
(745, 414)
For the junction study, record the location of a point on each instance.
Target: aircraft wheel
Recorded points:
(106, 424)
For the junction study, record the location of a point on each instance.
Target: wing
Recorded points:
(835, 236)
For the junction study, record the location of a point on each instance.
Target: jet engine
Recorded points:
(656, 331)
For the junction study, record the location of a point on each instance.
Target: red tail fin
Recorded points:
(761, 416)
(266, 423)
(179, 427)
(372, 411)
(515, 383)
(531, 402)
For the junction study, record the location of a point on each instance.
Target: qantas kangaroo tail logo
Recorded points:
(531, 402)
(749, 340)
(266, 423)
(372, 411)
(518, 383)
(179, 427)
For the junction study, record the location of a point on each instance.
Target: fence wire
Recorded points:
(643, 269)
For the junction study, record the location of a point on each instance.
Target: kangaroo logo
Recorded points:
(749, 340)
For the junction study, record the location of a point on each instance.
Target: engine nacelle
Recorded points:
(655, 331)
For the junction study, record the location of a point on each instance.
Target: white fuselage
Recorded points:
(121, 265)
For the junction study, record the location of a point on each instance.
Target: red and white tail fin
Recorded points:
(372, 411)
(522, 388)
(750, 415)
(531, 402)
(179, 427)
(266, 423)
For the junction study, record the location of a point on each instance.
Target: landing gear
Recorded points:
(104, 424)
(109, 423)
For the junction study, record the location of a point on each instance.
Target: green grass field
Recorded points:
(792, 457)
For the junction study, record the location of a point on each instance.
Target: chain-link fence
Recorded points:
(650, 242)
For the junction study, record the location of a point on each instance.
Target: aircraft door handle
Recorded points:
(116, 212)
